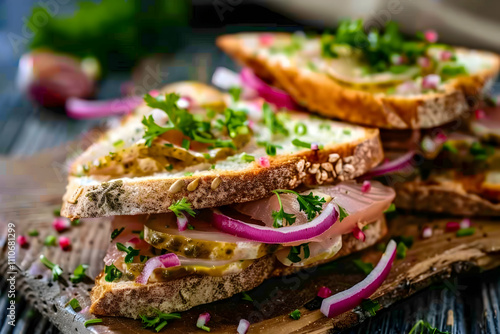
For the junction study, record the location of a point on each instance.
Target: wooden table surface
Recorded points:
(26, 130)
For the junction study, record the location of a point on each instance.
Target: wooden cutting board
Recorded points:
(30, 189)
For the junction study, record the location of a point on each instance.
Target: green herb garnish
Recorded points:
(33, 233)
(401, 250)
(182, 205)
(272, 122)
(295, 315)
(118, 143)
(300, 129)
(365, 267)
(342, 213)
(294, 254)
(246, 296)
(370, 306)
(464, 232)
(92, 322)
(143, 258)
(299, 143)
(78, 274)
(235, 93)
(56, 270)
(50, 240)
(310, 204)
(425, 325)
(131, 252)
(391, 208)
(112, 273)
(74, 304)
(159, 321)
(279, 217)
(186, 144)
(116, 232)
(270, 148)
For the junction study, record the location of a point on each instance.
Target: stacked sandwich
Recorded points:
(213, 193)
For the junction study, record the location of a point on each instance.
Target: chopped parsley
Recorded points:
(451, 70)
(188, 174)
(190, 227)
(425, 325)
(74, 304)
(401, 250)
(56, 270)
(247, 157)
(300, 129)
(33, 233)
(272, 122)
(143, 258)
(182, 205)
(116, 232)
(131, 252)
(140, 232)
(235, 93)
(78, 274)
(57, 213)
(279, 217)
(408, 241)
(112, 273)
(186, 144)
(310, 204)
(246, 296)
(159, 321)
(92, 322)
(295, 315)
(342, 213)
(365, 267)
(464, 232)
(370, 306)
(50, 240)
(294, 254)
(118, 143)
(391, 208)
(75, 222)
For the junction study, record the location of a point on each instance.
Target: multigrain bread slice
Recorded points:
(349, 153)
(128, 299)
(324, 94)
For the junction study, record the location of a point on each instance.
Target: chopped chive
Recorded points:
(92, 322)
(186, 144)
(464, 232)
(300, 129)
(118, 143)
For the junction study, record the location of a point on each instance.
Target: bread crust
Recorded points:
(321, 94)
(449, 198)
(128, 299)
(87, 197)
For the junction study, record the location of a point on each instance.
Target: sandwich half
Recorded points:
(375, 78)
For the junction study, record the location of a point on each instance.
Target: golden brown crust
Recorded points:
(447, 197)
(127, 299)
(147, 195)
(321, 94)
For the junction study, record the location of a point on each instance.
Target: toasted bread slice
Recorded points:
(128, 299)
(337, 95)
(348, 151)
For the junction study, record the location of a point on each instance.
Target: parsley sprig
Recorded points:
(279, 217)
(310, 204)
(131, 252)
(159, 321)
(112, 273)
(294, 254)
(272, 122)
(182, 205)
(425, 325)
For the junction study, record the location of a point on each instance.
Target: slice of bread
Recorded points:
(128, 299)
(333, 97)
(348, 151)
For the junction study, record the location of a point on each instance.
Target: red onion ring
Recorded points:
(84, 109)
(391, 166)
(270, 235)
(350, 298)
(163, 261)
(271, 94)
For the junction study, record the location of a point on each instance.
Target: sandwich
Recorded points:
(375, 78)
(212, 194)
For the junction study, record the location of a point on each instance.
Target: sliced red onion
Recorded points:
(270, 235)
(314, 146)
(366, 186)
(266, 39)
(134, 241)
(423, 62)
(203, 320)
(431, 36)
(350, 298)
(182, 222)
(271, 94)
(264, 162)
(84, 109)
(243, 326)
(163, 261)
(465, 223)
(431, 81)
(359, 234)
(61, 224)
(452, 226)
(391, 166)
(445, 55)
(479, 114)
(64, 243)
(324, 292)
(22, 241)
(426, 232)
(224, 78)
